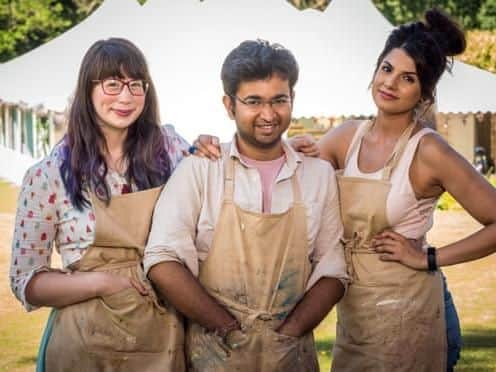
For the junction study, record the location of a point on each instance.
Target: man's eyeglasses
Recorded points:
(114, 87)
(256, 104)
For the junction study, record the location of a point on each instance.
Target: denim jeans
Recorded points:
(453, 331)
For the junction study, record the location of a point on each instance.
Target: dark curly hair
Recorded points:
(257, 60)
(430, 44)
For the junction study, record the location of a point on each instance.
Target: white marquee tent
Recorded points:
(186, 41)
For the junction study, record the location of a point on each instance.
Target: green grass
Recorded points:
(473, 286)
(20, 335)
(478, 353)
(325, 335)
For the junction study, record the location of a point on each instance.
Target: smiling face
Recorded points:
(116, 112)
(262, 112)
(396, 87)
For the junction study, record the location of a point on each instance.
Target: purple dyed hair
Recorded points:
(83, 166)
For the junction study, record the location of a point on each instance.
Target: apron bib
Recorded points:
(124, 331)
(392, 317)
(257, 268)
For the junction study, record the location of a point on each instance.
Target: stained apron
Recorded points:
(392, 317)
(125, 331)
(257, 268)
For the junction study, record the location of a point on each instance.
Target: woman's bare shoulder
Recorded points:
(334, 144)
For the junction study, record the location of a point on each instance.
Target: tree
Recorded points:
(316, 4)
(398, 11)
(26, 24)
(487, 15)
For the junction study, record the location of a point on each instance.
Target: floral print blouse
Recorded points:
(45, 215)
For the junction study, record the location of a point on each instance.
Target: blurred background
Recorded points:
(28, 131)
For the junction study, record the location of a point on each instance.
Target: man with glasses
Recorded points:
(248, 247)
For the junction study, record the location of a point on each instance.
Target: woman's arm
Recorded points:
(177, 146)
(32, 280)
(334, 144)
(58, 289)
(474, 193)
(439, 167)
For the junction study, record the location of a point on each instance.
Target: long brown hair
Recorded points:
(83, 166)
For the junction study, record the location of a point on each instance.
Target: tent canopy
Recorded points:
(186, 42)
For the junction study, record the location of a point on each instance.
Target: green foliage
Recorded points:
(80, 9)
(487, 15)
(481, 50)
(26, 24)
(397, 11)
(472, 14)
(448, 203)
(304, 4)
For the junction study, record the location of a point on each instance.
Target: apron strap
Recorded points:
(295, 186)
(229, 165)
(398, 150)
(229, 178)
(395, 156)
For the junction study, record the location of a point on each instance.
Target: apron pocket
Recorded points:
(206, 351)
(116, 299)
(283, 351)
(126, 321)
(290, 354)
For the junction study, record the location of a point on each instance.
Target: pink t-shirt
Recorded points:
(268, 171)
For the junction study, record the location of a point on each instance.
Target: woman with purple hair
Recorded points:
(93, 198)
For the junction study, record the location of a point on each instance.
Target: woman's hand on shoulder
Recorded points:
(206, 146)
(334, 144)
(305, 144)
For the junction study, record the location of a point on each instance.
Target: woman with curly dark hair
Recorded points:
(393, 170)
(93, 198)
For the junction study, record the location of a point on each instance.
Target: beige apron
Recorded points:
(392, 317)
(257, 268)
(124, 331)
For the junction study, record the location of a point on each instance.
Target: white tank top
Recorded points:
(406, 215)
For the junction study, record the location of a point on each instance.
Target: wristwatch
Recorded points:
(431, 259)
